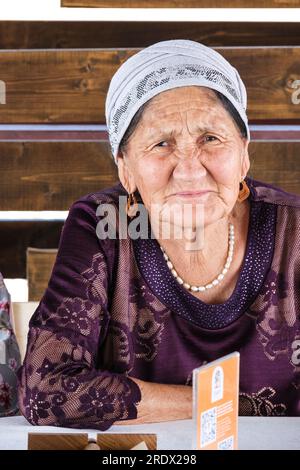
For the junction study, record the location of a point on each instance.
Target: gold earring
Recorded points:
(244, 191)
(132, 205)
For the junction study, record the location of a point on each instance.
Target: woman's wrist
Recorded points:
(163, 402)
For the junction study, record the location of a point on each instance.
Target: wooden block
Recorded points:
(39, 267)
(181, 3)
(42, 441)
(78, 441)
(108, 441)
(70, 86)
(119, 34)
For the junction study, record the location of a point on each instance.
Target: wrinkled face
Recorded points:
(186, 149)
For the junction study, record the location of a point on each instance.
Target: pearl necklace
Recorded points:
(218, 279)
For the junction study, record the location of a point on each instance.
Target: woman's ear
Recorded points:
(125, 174)
(245, 164)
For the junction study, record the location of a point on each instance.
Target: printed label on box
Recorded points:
(215, 394)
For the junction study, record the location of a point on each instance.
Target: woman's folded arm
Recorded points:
(62, 382)
(60, 386)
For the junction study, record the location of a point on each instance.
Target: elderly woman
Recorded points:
(126, 319)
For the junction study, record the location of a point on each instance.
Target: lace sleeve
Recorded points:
(61, 381)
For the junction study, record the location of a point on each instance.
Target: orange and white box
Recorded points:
(215, 404)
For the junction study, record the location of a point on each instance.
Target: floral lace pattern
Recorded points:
(141, 337)
(260, 404)
(66, 390)
(60, 383)
(276, 331)
(149, 325)
(275, 334)
(5, 394)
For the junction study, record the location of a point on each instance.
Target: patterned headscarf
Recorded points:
(163, 66)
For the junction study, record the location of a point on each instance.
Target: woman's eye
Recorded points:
(210, 138)
(160, 144)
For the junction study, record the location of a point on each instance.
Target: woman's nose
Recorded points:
(189, 165)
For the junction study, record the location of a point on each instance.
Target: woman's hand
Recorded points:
(161, 402)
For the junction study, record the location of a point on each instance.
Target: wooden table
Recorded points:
(254, 433)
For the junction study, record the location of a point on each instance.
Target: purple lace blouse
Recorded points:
(113, 310)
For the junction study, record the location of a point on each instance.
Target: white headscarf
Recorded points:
(163, 66)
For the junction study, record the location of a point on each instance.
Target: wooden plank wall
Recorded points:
(58, 73)
(94, 34)
(16, 236)
(51, 175)
(70, 86)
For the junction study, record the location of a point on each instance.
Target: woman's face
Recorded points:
(186, 149)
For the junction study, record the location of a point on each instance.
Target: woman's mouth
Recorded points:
(191, 194)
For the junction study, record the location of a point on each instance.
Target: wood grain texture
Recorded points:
(63, 441)
(78, 441)
(181, 3)
(70, 86)
(52, 175)
(108, 441)
(40, 263)
(277, 163)
(118, 34)
(16, 237)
